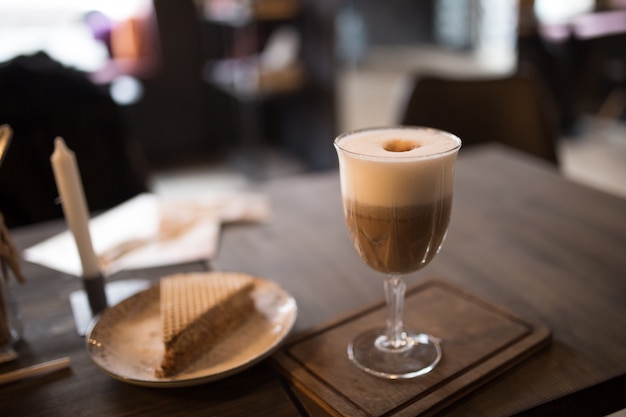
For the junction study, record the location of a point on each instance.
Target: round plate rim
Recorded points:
(168, 383)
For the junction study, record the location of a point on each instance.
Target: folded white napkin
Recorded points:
(149, 231)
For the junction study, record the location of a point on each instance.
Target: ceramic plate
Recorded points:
(126, 341)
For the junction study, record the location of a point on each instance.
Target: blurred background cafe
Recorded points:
(168, 95)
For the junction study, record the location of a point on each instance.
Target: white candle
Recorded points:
(70, 189)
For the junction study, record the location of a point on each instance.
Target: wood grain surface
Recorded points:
(82, 390)
(522, 238)
(479, 342)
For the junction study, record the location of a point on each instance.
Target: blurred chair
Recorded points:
(510, 110)
(41, 99)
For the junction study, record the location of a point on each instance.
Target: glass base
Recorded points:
(415, 354)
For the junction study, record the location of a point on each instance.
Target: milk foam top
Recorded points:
(397, 166)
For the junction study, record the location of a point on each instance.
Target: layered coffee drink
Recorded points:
(397, 194)
(396, 185)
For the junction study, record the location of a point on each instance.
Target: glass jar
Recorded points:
(10, 320)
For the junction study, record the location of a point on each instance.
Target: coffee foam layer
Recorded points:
(396, 166)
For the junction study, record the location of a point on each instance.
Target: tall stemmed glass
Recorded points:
(396, 185)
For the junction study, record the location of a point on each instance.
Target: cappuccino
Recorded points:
(397, 193)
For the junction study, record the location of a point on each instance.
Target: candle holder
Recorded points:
(97, 295)
(10, 320)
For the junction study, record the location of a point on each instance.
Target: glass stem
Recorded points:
(394, 295)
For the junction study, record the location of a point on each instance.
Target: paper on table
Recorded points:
(148, 231)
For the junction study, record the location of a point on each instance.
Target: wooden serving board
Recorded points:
(480, 341)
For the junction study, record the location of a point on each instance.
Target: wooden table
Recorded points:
(522, 237)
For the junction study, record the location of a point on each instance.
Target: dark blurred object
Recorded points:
(581, 55)
(602, 36)
(509, 110)
(176, 118)
(41, 99)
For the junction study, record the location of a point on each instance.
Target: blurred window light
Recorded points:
(561, 11)
(488, 28)
(60, 29)
(453, 23)
(126, 90)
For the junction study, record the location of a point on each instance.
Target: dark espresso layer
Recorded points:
(398, 239)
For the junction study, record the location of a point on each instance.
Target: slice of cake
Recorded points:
(198, 309)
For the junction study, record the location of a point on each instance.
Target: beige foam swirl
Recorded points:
(397, 166)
